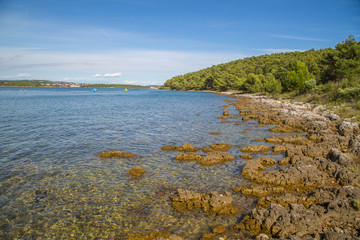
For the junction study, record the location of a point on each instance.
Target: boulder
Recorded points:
(354, 145)
(348, 128)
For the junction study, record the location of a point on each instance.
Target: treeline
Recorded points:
(23, 83)
(112, 86)
(319, 71)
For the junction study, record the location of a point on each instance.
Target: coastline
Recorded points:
(314, 193)
(318, 178)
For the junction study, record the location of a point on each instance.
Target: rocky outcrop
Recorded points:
(292, 139)
(259, 190)
(354, 146)
(114, 154)
(348, 128)
(216, 157)
(278, 221)
(213, 202)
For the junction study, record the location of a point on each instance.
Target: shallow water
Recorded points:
(53, 184)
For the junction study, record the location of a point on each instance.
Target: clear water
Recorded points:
(53, 184)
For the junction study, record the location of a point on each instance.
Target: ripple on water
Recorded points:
(53, 185)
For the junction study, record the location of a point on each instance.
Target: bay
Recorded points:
(53, 184)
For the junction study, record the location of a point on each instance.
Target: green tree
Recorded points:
(253, 83)
(271, 85)
(298, 76)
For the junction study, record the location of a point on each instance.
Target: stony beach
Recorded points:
(311, 193)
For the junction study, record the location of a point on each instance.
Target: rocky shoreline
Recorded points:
(314, 191)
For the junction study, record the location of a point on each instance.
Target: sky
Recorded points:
(147, 42)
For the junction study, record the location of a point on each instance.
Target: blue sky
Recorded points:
(149, 41)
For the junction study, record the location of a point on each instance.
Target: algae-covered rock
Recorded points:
(218, 147)
(247, 156)
(293, 139)
(111, 154)
(137, 171)
(186, 147)
(266, 161)
(281, 129)
(255, 149)
(220, 203)
(279, 149)
(216, 157)
(188, 157)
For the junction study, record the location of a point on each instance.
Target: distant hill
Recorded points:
(47, 83)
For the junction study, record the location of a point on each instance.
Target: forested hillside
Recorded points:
(335, 70)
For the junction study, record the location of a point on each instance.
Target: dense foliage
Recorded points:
(316, 71)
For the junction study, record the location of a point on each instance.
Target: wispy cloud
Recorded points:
(20, 75)
(117, 74)
(298, 38)
(137, 65)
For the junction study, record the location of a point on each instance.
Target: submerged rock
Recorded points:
(137, 171)
(213, 201)
(218, 147)
(186, 147)
(255, 149)
(188, 157)
(111, 154)
(216, 157)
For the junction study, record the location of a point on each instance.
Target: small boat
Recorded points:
(94, 90)
(125, 90)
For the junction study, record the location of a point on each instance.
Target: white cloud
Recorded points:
(23, 75)
(117, 74)
(139, 65)
(108, 75)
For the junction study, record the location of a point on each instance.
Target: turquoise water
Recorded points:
(53, 185)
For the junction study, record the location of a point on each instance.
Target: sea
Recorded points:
(53, 185)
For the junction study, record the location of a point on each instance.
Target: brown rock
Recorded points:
(186, 147)
(293, 139)
(188, 156)
(218, 147)
(279, 149)
(266, 161)
(137, 171)
(216, 157)
(246, 156)
(119, 154)
(255, 149)
(281, 129)
(215, 133)
(220, 229)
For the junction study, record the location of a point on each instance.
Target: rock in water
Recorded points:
(137, 171)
